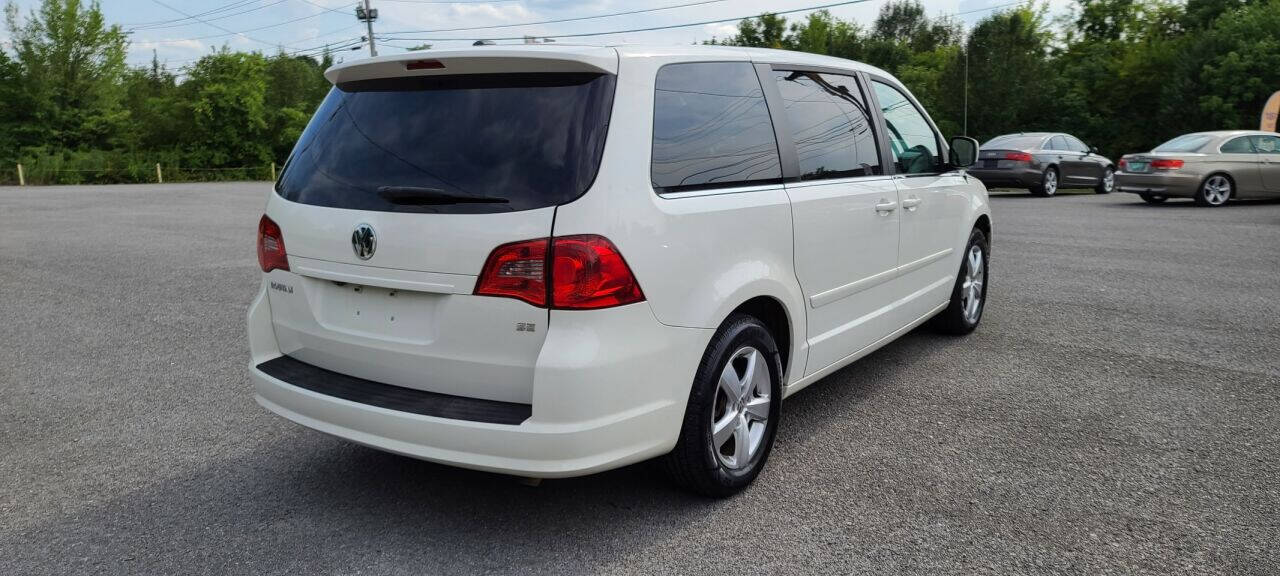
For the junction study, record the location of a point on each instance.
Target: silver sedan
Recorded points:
(1208, 167)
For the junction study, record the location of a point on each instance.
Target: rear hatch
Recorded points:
(410, 173)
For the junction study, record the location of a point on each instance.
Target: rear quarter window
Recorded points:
(711, 128)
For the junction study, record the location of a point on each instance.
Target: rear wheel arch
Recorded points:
(773, 314)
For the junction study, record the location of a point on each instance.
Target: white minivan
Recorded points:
(552, 260)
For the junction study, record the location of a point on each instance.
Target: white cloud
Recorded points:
(171, 44)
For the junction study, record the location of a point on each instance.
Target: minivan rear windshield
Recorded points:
(1184, 143)
(462, 144)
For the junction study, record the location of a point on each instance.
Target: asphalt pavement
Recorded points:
(1118, 412)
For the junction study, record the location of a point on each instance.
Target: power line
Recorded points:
(450, 1)
(230, 6)
(224, 17)
(674, 26)
(210, 24)
(575, 19)
(276, 25)
(655, 28)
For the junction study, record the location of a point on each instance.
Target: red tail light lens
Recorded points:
(1017, 156)
(1166, 164)
(271, 254)
(516, 270)
(1123, 165)
(586, 272)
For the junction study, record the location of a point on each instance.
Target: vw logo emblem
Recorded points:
(363, 241)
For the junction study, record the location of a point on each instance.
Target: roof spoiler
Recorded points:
(480, 60)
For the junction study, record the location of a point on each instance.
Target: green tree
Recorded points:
(224, 100)
(295, 87)
(73, 67)
(1012, 84)
(766, 31)
(1241, 66)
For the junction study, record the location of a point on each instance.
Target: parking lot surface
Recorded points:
(1118, 411)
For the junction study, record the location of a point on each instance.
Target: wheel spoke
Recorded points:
(758, 409)
(741, 442)
(730, 383)
(723, 429)
(750, 375)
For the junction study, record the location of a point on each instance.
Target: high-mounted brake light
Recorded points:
(583, 272)
(271, 254)
(1166, 164)
(1017, 156)
(423, 65)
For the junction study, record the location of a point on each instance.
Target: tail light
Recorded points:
(516, 270)
(271, 254)
(1017, 156)
(1166, 164)
(1123, 165)
(581, 273)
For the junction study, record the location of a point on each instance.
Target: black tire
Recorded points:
(954, 319)
(1211, 189)
(1049, 183)
(1153, 198)
(696, 463)
(1107, 183)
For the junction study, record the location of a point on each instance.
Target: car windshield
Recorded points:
(452, 144)
(1014, 142)
(1184, 143)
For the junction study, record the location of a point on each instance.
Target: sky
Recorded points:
(180, 31)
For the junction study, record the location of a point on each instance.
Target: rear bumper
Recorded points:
(1170, 184)
(1009, 178)
(610, 389)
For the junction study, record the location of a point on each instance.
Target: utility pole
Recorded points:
(966, 88)
(367, 15)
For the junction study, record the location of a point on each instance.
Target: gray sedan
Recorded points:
(1208, 167)
(1043, 162)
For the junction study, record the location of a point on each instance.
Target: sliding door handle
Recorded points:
(910, 204)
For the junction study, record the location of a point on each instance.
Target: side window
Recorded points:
(1058, 143)
(711, 127)
(830, 125)
(1074, 144)
(1266, 144)
(1239, 145)
(915, 146)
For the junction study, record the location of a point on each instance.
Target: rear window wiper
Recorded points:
(421, 196)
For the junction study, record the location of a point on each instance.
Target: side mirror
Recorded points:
(964, 151)
(1093, 149)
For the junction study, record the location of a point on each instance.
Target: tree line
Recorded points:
(1123, 75)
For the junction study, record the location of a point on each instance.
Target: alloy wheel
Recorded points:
(1216, 191)
(972, 289)
(1108, 180)
(740, 413)
(1050, 182)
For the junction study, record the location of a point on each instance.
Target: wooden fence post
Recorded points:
(159, 175)
(22, 179)
(273, 171)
